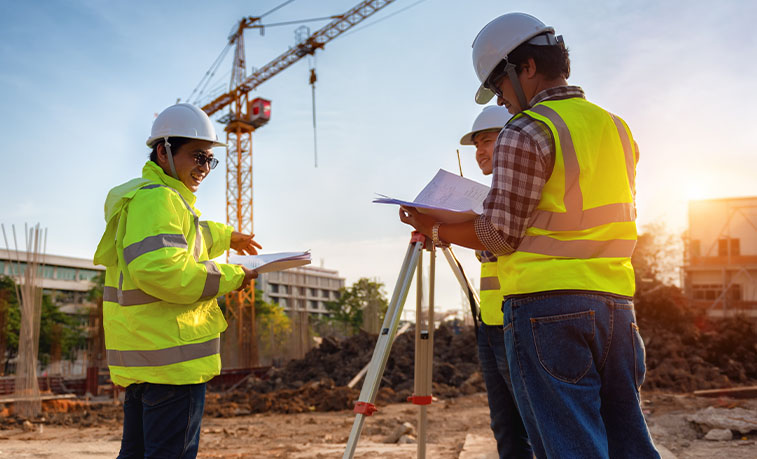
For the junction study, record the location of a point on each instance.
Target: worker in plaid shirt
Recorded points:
(560, 217)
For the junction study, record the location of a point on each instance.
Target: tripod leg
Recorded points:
(424, 355)
(364, 407)
(465, 284)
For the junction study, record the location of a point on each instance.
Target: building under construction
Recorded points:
(720, 262)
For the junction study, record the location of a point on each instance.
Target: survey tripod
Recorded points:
(424, 337)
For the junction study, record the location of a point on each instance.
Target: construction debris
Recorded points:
(734, 419)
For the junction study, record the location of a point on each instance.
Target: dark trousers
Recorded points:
(162, 421)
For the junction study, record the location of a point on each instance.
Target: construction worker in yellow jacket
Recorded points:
(506, 423)
(161, 319)
(560, 217)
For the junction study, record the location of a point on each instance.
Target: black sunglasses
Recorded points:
(201, 159)
(494, 81)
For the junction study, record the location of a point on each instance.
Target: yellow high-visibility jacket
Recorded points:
(583, 231)
(162, 322)
(491, 295)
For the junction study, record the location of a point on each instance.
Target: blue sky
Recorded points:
(80, 82)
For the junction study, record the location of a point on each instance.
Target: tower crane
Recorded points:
(243, 117)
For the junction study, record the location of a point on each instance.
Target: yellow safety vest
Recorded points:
(583, 231)
(491, 296)
(161, 319)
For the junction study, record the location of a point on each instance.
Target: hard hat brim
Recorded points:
(467, 139)
(151, 141)
(483, 95)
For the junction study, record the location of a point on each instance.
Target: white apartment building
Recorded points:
(66, 279)
(306, 288)
(720, 262)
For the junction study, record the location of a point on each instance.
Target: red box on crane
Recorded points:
(259, 111)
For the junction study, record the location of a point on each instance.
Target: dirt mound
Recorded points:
(318, 382)
(687, 352)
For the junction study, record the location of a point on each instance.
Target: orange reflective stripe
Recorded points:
(578, 248)
(489, 283)
(160, 357)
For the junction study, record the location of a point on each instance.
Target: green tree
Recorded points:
(273, 325)
(349, 309)
(54, 325)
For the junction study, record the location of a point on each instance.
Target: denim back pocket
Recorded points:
(639, 356)
(563, 344)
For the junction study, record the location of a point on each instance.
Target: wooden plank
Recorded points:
(35, 398)
(733, 392)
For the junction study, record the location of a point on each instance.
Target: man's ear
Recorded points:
(162, 155)
(529, 67)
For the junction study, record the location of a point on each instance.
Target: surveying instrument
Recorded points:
(424, 337)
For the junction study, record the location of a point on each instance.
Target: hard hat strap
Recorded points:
(170, 158)
(515, 82)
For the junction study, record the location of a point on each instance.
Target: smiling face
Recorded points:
(484, 142)
(187, 169)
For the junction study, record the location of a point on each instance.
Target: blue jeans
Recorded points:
(512, 441)
(162, 421)
(577, 363)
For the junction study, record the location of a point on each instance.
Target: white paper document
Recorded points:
(271, 261)
(447, 197)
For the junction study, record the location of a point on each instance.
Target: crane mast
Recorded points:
(241, 120)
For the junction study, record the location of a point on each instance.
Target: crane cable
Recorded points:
(209, 74)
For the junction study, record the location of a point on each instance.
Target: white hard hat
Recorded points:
(491, 117)
(183, 120)
(500, 37)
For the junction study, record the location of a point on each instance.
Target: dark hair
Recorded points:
(176, 143)
(551, 61)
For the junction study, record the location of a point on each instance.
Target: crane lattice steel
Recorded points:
(242, 118)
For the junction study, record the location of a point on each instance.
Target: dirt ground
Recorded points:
(324, 434)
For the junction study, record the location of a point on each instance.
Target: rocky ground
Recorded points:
(304, 409)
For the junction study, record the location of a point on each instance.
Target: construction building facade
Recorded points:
(306, 288)
(66, 279)
(720, 260)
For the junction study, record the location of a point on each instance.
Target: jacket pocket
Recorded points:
(203, 321)
(563, 344)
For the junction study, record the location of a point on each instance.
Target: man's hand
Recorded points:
(249, 275)
(244, 244)
(422, 223)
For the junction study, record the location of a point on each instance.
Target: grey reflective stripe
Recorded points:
(574, 201)
(589, 218)
(198, 237)
(110, 294)
(489, 283)
(134, 297)
(578, 248)
(127, 297)
(153, 243)
(206, 234)
(212, 281)
(168, 356)
(630, 160)
(574, 217)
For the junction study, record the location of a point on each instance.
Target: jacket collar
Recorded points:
(154, 173)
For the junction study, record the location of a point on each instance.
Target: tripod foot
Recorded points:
(365, 408)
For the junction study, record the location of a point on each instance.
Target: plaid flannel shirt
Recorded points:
(524, 157)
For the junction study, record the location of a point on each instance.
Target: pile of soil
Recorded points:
(75, 413)
(318, 382)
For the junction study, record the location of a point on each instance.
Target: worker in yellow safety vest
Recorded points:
(560, 217)
(161, 319)
(506, 423)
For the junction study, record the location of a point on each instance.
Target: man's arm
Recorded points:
(157, 256)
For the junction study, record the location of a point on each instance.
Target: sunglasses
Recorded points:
(494, 82)
(201, 159)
